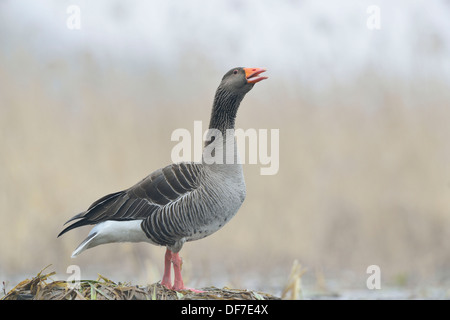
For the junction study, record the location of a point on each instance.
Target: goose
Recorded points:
(183, 201)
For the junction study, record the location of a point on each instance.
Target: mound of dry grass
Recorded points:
(40, 288)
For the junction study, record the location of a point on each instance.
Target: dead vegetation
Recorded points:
(293, 288)
(41, 287)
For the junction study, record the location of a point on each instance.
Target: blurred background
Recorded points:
(363, 114)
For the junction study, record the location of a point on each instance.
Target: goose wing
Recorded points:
(162, 187)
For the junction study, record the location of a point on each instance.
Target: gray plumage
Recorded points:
(180, 202)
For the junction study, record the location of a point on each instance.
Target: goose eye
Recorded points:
(235, 71)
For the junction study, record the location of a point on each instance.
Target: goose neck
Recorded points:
(224, 110)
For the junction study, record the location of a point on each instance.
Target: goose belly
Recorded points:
(216, 214)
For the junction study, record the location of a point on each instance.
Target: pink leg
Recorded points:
(177, 263)
(167, 279)
(178, 283)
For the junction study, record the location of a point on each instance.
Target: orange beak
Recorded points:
(252, 74)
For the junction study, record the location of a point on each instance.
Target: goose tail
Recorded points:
(86, 244)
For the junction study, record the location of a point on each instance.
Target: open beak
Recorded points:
(252, 74)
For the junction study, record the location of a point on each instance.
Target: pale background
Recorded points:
(363, 116)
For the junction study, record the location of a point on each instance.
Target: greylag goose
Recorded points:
(183, 201)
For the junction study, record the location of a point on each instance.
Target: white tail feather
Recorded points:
(84, 245)
(112, 231)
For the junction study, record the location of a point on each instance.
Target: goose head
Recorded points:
(241, 80)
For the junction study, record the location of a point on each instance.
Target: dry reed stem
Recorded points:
(293, 289)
